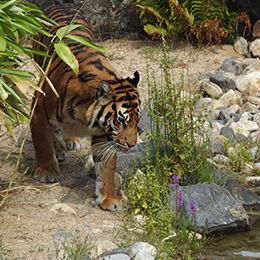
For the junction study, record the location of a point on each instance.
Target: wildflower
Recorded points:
(176, 181)
(192, 207)
(180, 198)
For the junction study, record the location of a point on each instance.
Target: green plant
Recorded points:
(239, 153)
(74, 248)
(17, 19)
(196, 21)
(3, 250)
(172, 152)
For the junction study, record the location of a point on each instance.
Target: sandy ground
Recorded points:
(32, 212)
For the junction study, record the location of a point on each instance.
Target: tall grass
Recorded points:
(173, 151)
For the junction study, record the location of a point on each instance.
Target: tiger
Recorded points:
(97, 102)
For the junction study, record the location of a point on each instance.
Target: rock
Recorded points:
(254, 100)
(256, 29)
(227, 132)
(146, 251)
(63, 207)
(238, 130)
(115, 257)
(75, 197)
(250, 126)
(215, 207)
(62, 235)
(241, 46)
(216, 146)
(102, 246)
(254, 48)
(245, 196)
(211, 89)
(251, 80)
(253, 180)
(248, 62)
(231, 65)
(107, 18)
(222, 159)
(230, 98)
(224, 82)
(223, 115)
(130, 160)
(249, 5)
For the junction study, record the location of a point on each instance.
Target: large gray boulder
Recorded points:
(107, 17)
(216, 208)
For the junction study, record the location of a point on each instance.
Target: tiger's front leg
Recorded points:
(42, 135)
(105, 164)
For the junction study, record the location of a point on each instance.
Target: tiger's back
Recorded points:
(97, 102)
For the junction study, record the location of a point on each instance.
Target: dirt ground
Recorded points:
(34, 212)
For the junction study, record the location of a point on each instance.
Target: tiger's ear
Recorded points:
(103, 89)
(134, 78)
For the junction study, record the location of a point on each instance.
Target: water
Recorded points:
(223, 247)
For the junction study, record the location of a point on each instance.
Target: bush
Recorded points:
(196, 21)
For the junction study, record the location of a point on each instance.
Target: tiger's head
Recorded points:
(118, 112)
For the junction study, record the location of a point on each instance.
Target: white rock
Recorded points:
(254, 100)
(100, 246)
(238, 130)
(116, 257)
(256, 167)
(63, 207)
(254, 47)
(253, 180)
(230, 98)
(241, 46)
(247, 81)
(222, 159)
(246, 168)
(146, 251)
(250, 126)
(212, 89)
(255, 136)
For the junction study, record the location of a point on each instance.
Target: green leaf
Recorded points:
(136, 211)
(145, 205)
(12, 92)
(2, 6)
(66, 29)
(2, 40)
(38, 52)
(3, 94)
(85, 42)
(64, 52)
(17, 72)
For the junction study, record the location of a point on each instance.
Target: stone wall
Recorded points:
(107, 17)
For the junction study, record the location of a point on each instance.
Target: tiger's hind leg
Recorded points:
(62, 144)
(42, 135)
(105, 172)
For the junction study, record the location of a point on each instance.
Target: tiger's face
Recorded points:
(120, 114)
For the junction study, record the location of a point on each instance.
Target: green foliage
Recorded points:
(239, 153)
(197, 21)
(174, 151)
(17, 19)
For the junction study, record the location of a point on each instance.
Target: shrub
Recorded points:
(196, 21)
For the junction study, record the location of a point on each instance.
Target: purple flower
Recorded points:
(176, 181)
(180, 198)
(192, 207)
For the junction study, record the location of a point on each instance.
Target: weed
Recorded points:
(3, 250)
(172, 158)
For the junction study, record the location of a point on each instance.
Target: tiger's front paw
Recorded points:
(107, 198)
(73, 143)
(43, 175)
